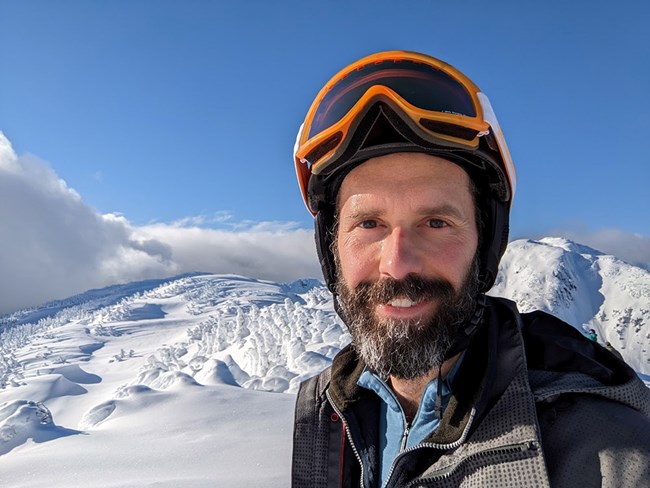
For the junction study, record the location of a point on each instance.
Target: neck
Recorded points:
(409, 392)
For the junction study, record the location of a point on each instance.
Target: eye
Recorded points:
(368, 224)
(436, 223)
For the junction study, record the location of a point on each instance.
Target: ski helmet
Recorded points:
(399, 101)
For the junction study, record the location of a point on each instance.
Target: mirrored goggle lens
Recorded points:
(419, 84)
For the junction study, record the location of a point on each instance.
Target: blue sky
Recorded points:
(165, 111)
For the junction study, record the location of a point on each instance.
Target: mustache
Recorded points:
(415, 288)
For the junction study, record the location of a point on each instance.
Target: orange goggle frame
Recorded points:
(440, 102)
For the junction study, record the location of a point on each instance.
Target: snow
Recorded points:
(161, 383)
(191, 381)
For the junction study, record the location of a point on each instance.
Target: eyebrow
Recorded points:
(443, 210)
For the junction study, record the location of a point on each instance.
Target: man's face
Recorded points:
(405, 250)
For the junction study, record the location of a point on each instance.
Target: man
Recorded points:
(403, 164)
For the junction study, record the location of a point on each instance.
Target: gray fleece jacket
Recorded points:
(534, 404)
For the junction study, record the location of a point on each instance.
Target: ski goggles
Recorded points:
(443, 105)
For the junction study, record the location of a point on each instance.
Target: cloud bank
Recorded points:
(53, 245)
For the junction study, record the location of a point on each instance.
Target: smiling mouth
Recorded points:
(402, 303)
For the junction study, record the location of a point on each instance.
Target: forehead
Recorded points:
(406, 177)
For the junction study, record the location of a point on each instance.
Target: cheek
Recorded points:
(354, 261)
(455, 253)
(455, 259)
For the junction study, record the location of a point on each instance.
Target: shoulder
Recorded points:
(588, 438)
(593, 411)
(583, 416)
(311, 395)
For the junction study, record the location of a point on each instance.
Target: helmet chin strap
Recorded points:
(461, 342)
(465, 334)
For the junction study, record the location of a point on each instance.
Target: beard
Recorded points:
(407, 348)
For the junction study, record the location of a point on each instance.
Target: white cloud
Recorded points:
(218, 218)
(277, 255)
(53, 245)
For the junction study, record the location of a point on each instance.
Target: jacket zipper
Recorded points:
(509, 449)
(442, 447)
(348, 435)
(402, 449)
(405, 437)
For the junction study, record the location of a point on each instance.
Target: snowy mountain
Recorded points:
(583, 287)
(177, 382)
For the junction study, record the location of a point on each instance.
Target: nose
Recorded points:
(399, 255)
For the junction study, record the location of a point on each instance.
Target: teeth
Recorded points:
(402, 303)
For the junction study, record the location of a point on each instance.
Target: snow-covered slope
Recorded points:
(178, 382)
(157, 383)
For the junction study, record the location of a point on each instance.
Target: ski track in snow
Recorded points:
(190, 381)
